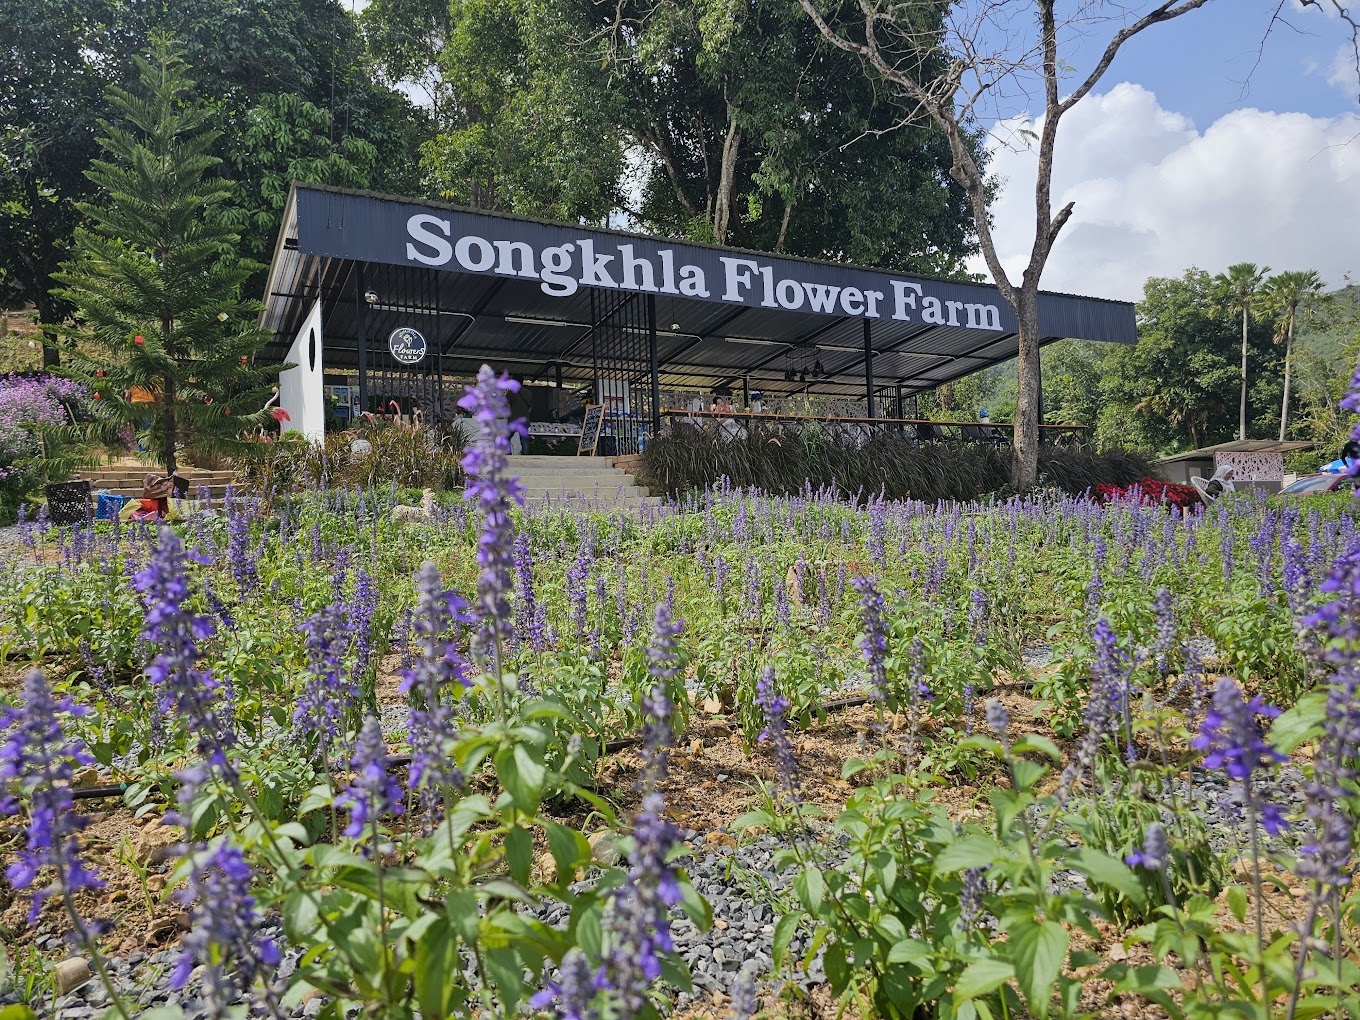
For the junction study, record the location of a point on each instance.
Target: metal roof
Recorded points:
(513, 323)
(1237, 446)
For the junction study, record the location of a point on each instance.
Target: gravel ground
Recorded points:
(743, 889)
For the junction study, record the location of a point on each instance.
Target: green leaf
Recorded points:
(437, 968)
(837, 967)
(507, 974)
(810, 887)
(22, 1013)
(1038, 951)
(519, 853)
(783, 933)
(1299, 723)
(1236, 896)
(569, 848)
(973, 851)
(982, 976)
(1102, 868)
(521, 772)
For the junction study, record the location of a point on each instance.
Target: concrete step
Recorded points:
(605, 492)
(564, 465)
(215, 493)
(585, 503)
(582, 483)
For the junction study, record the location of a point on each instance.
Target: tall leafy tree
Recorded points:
(1178, 386)
(1240, 289)
(155, 280)
(52, 84)
(1284, 293)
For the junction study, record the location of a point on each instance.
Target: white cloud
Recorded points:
(1154, 196)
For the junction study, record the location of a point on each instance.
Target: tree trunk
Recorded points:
(1025, 455)
(47, 315)
(1288, 353)
(168, 395)
(1242, 415)
(722, 205)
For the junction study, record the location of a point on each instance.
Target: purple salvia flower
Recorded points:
(972, 894)
(184, 692)
(1325, 861)
(363, 610)
(494, 490)
(573, 995)
(239, 552)
(1164, 610)
(373, 792)
(775, 707)
(434, 682)
(1152, 855)
(326, 698)
(224, 932)
(874, 644)
(1233, 741)
(38, 761)
(526, 602)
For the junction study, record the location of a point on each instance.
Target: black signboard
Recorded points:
(590, 430)
(561, 259)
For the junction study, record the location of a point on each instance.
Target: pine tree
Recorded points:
(156, 281)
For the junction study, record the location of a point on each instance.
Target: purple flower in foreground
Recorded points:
(326, 697)
(38, 760)
(433, 682)
(575, 990)
(1232, 739)
(1325, 862)
(226, 919)
(874, 644)
(494, 490)
(972, 893)
(373, 792)
(774, 707)
(1152, 854)
(184, 692)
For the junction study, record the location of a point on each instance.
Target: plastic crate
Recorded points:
(108, 506)
(68, 502)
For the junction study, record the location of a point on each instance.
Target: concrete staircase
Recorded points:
(124, 478)
(579, 482)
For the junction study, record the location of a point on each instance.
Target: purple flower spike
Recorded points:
(492, 487)
(327, 697)
(1152, 854)
(775, 708)
(224, 918)
(1231, 736)
(875, 642)
(184, 692)
(38, 760)
(374, 792)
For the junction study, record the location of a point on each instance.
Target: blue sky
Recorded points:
(1184, 155)
(1202, 64)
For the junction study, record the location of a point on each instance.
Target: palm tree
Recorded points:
(1284, 293)
(1239, 287)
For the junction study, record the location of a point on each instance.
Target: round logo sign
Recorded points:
(406, 345)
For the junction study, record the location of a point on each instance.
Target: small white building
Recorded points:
(1255, 462)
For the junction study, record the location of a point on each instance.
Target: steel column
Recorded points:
(656, 377)
(361, 330)
(869, 370)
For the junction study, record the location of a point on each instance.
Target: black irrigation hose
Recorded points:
(610, 746)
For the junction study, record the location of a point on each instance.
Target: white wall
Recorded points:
(301, 391)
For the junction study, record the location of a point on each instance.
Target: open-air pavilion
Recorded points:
(385, 303)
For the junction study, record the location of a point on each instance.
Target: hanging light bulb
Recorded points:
(818, 372)
(802, 376)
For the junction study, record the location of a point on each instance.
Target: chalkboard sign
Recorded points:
(590, 430)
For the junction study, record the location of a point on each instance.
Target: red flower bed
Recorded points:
(1150, 491)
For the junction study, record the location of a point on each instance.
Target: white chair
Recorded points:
(1210, 489)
